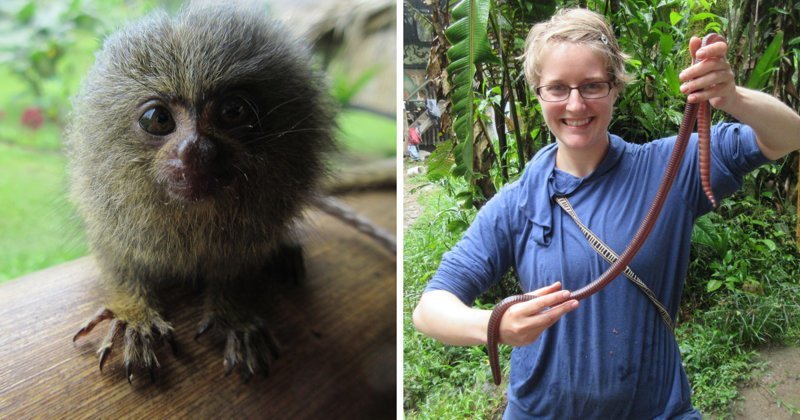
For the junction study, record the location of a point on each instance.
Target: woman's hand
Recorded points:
(712, 76)
(524, 322)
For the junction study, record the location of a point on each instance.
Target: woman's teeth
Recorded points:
(577, 123)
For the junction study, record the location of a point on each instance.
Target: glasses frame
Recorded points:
(578, 88)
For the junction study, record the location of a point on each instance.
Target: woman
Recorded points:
(612, 356)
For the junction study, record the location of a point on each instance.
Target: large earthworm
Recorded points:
(704, 132)
(690, 114)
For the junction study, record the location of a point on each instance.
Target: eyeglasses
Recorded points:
(558, 93)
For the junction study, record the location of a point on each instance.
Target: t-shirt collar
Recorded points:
(543, 181)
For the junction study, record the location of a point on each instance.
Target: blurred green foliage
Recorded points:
(45, 48)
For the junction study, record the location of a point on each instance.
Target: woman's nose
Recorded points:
(575, 101)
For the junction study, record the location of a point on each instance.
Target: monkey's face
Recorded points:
(196, 150)
(214, 107)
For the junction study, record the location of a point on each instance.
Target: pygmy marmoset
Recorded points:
(194, 144)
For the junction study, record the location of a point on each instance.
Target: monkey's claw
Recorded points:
(105, 348)
(203, 326)
(139, 341)
(101, 315)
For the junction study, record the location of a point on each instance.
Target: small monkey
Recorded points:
(194, 145)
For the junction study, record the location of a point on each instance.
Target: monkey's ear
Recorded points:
(157, 120)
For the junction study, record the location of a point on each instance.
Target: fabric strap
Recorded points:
(612, 257)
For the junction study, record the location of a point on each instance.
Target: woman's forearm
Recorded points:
(777, 126)
(443, 316)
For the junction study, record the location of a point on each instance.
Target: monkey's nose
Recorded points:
(196, 151)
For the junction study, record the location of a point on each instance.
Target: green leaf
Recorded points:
(666, 43)
(457, 226)
(766, 64)
(440, 162)
(465, 198)
(672, 78)
(728, 257)
(675, 17)
(704, 16)
(713, 27)
(648, 112)
(634, 62)
(469, 45)
(713, 285)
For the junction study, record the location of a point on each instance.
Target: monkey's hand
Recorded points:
(142, 329)
(249, 344)
(233, 308)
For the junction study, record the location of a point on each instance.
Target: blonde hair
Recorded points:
(577, 26)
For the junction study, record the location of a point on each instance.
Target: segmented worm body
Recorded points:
(690, 115)
(704, 132)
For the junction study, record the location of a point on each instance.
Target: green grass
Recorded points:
(37, 229)
(46, 138)
(440, 381)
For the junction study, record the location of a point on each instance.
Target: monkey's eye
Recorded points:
(235, 112)
(157, 121)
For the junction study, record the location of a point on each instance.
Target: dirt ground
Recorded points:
(411, 208)
(774, 392)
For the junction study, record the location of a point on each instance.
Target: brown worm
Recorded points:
(704, 132)
(690, 115)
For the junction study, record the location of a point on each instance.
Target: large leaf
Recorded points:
(469, 45)
(766, 64)
(707, 233)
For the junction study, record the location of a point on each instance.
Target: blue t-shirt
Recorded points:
(613, 357)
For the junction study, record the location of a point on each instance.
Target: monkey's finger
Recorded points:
(203, 326)
(229, 364)
(250, 363)
(231, 352)
(129, 372)
(101, 315)
(147, 351)
(104, 351)
(129, 348)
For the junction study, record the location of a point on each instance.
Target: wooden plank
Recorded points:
(337, 330)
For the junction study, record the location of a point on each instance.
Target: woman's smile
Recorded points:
(577, 123)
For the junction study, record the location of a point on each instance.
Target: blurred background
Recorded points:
(46, 46)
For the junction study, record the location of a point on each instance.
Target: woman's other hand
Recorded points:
(711, 79)
(524, 322)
